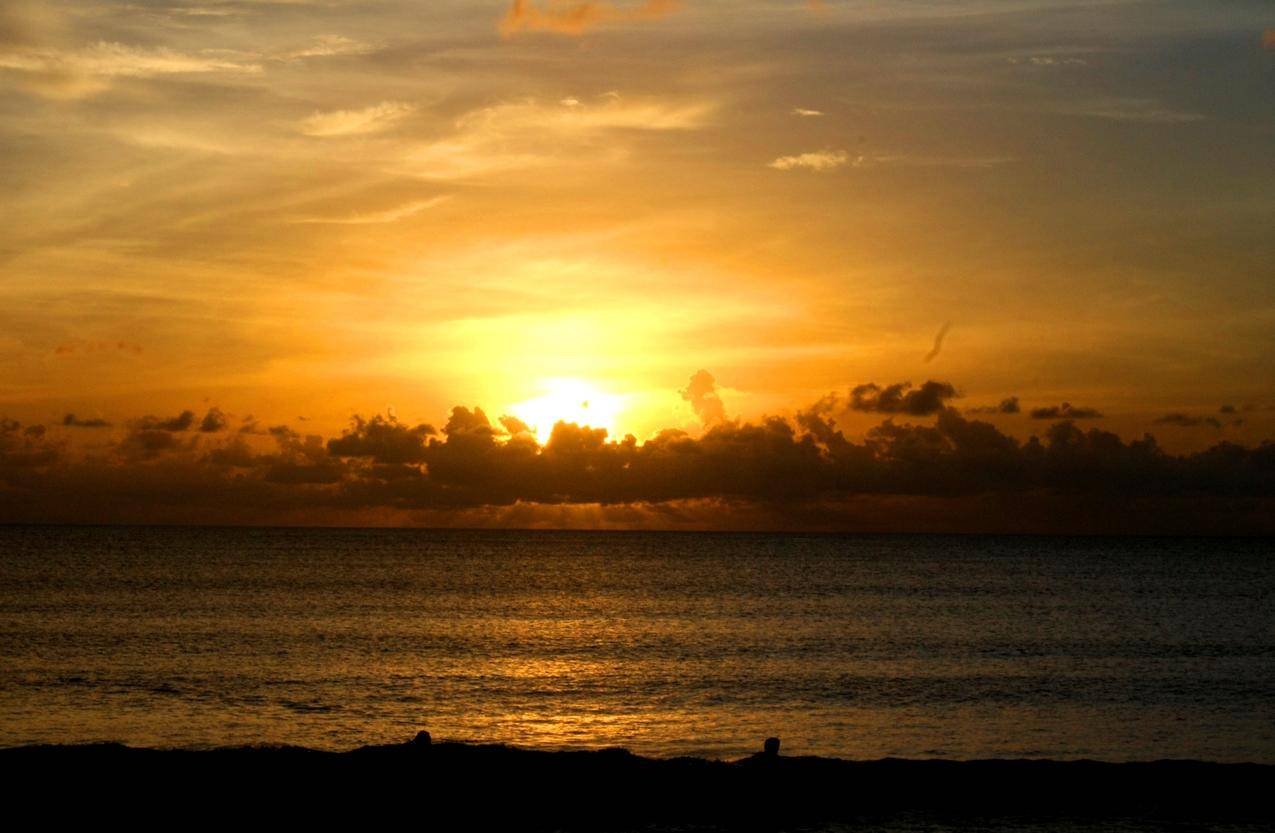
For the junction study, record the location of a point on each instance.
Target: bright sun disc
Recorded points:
(569, 400)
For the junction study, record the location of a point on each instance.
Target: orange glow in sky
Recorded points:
(564, 212)
(569, 400)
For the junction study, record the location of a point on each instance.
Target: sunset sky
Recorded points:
(289, 213)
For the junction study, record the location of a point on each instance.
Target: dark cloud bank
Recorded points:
(943, 472)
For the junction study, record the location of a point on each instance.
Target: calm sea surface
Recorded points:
(700, 644)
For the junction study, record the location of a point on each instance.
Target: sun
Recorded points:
(569, 400)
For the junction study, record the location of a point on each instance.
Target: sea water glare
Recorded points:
(668, 644)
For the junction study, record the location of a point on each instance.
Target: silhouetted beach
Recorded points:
(468, 786)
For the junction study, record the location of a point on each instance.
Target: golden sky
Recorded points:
(294, 212)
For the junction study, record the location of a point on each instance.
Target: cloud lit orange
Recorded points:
(573, 18)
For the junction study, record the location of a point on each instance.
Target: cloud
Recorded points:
(112, 60)
(701, 392)
(148, 444)
(913, 161)
(205, 11)
(1048, 61)
(513, 425)
(250, 425)
(819, 161)
(72, 421)
(938, 342)
(23, 448)
(383, 439)
(1143, 110)
(236, 454)
(902, 398)
(527, 134)
(575, 18)
(213, 421)
(299, 462)
(372, 119)
(610, 112)
(1188, 421)
(1064, 411)
(328, 46)
(152, 437)
(804, 469)
(1008, 405)
(391, 215)
(72, 73)
(465, 424)
(827, 160)
(802, 111)
(181, 422)
(75, 72)
(303, 461)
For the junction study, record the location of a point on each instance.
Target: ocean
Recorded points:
(667, 644)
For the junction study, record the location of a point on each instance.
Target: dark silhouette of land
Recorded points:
(463, 786)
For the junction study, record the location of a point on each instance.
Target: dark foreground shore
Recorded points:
(461, 786)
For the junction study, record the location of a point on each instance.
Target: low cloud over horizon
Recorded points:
(801, 471)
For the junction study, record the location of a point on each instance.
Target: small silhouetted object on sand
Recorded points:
(770, 748)
(422, 739)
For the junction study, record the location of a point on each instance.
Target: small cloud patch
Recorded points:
(820, 161)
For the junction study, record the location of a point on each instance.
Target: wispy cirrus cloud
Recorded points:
(918, 161)
(328, 46)
(829, 160)
(63, 71)
(372, 119)
(1145, 110)
(530, 133)
(1047, 61)
(72, 73)
(391, 215)
(109, 59)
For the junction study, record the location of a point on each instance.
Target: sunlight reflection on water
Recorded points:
(666, 644)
